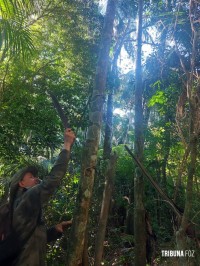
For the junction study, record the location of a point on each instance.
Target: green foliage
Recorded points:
(66, 44)
(60, 42)
(159, 97)
(34, 127)
(29, 127)
(15, 33)
(124, 174)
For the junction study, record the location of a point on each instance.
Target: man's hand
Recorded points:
(62, 226)
(69, 138)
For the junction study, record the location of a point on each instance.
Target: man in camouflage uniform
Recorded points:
(27, 196)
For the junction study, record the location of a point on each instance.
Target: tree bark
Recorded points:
(192, 85)
(85, 258)
(139, 210)
(181, 236)
(89, 158)
(110, 173)
(109, 161)
(109, 127)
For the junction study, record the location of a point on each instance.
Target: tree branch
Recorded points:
(59, 110)
(155, 185)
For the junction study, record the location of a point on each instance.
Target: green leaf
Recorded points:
(159, 98)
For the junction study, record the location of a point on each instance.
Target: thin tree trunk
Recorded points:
(85, 261)
(109, 127)
(166, 152)
(139, 210)
(110, 161)
(77, 235)
(181, 236)
(110, 173)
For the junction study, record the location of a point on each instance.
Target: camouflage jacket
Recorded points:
(27, 215)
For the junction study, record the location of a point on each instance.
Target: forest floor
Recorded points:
(125, 257)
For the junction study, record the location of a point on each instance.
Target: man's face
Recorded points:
(29, 180)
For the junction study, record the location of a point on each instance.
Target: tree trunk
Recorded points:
(181, 237)
(192, 85)
(109, 127)
(139, 212)
(110, 173)
(110, 162)
(85, 260)
(77, 235)
(166, 151)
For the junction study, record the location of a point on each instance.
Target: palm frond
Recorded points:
(15, 35)
(6, 9)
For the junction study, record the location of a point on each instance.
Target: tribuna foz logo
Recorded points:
(177, 253)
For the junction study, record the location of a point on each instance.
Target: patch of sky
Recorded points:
(102, 6)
